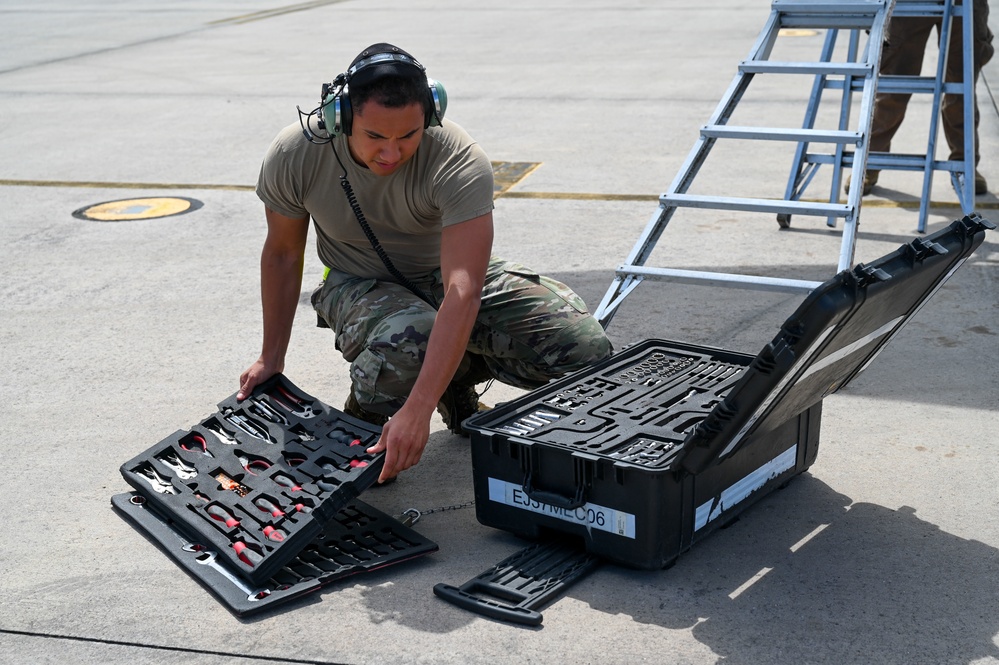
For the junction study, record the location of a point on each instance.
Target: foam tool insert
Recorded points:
(259, 479)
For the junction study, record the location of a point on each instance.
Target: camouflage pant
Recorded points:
(530, 329)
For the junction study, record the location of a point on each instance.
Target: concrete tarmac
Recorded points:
(115, 334)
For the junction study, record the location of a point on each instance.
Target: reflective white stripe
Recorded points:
(850, 349)
(738, 492)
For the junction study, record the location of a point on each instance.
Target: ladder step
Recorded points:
(770, 134)
(917, 85)
(922, 9)
(819, 68)
(732, 280)
(776, 206)
(834, 7)
(906, 84)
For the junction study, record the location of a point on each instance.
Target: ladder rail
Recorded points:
(848, 14)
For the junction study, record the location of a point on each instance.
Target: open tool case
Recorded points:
(253, 486)
(647, 452)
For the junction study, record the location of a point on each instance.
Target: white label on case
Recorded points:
(589, 515)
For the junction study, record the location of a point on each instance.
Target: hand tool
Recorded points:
(303, 410)
(275, 534)
(247, 553)
(182, 469)
(220, 514)
(223, 436)
(344, 437)
(249, 426)
(254, 466)
(332, 469)
(200, 445)
(208, 558)
(267, 506)
(158, 483)
(228, 483)
(263, 409)
(287, 482)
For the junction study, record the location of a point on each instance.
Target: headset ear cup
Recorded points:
(335, 113)
(345, 113)
(438, 102)
(331, 116)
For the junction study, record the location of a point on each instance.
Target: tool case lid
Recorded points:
(834, 334)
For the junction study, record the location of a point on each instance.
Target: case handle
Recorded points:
(554, 498)
(496, 603)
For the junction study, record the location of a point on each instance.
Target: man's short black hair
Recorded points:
(394, 84)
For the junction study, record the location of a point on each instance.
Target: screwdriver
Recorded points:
(268, 507)
(246, 553)
(222, 515)
(277, 535)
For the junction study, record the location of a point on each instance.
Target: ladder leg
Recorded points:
(796, 183)
(844, 122)
(967, 196)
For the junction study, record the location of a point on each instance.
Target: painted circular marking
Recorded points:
(134, 209)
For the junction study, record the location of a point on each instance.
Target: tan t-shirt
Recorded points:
(447, 181)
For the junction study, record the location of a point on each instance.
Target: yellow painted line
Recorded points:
(122, 185)
(278, 11)
(508, 174)
(580, 196)
(570, 196)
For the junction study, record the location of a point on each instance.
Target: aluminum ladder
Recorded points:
(962, 173)
(855, 15)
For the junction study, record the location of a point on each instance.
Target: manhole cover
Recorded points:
(134, 209)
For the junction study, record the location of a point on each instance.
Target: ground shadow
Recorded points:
(871, 585)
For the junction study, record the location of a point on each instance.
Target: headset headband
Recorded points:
(382, 57)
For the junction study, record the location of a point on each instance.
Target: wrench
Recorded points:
(252, 595)
(208, 558)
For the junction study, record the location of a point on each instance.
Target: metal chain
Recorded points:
(444, 509)
(411, 516)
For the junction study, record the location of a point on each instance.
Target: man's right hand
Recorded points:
(256, 374)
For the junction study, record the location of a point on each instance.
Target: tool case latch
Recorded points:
(869, 274)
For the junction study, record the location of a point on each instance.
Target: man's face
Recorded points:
(383, 138)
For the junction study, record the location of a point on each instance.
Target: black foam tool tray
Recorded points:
(359, 539)
(517, 587)
(257, 480)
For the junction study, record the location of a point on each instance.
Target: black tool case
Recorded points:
(647, 452)
(258, 480)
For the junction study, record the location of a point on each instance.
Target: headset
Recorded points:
(335, 113)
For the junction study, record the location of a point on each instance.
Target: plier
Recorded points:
(303, 410)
